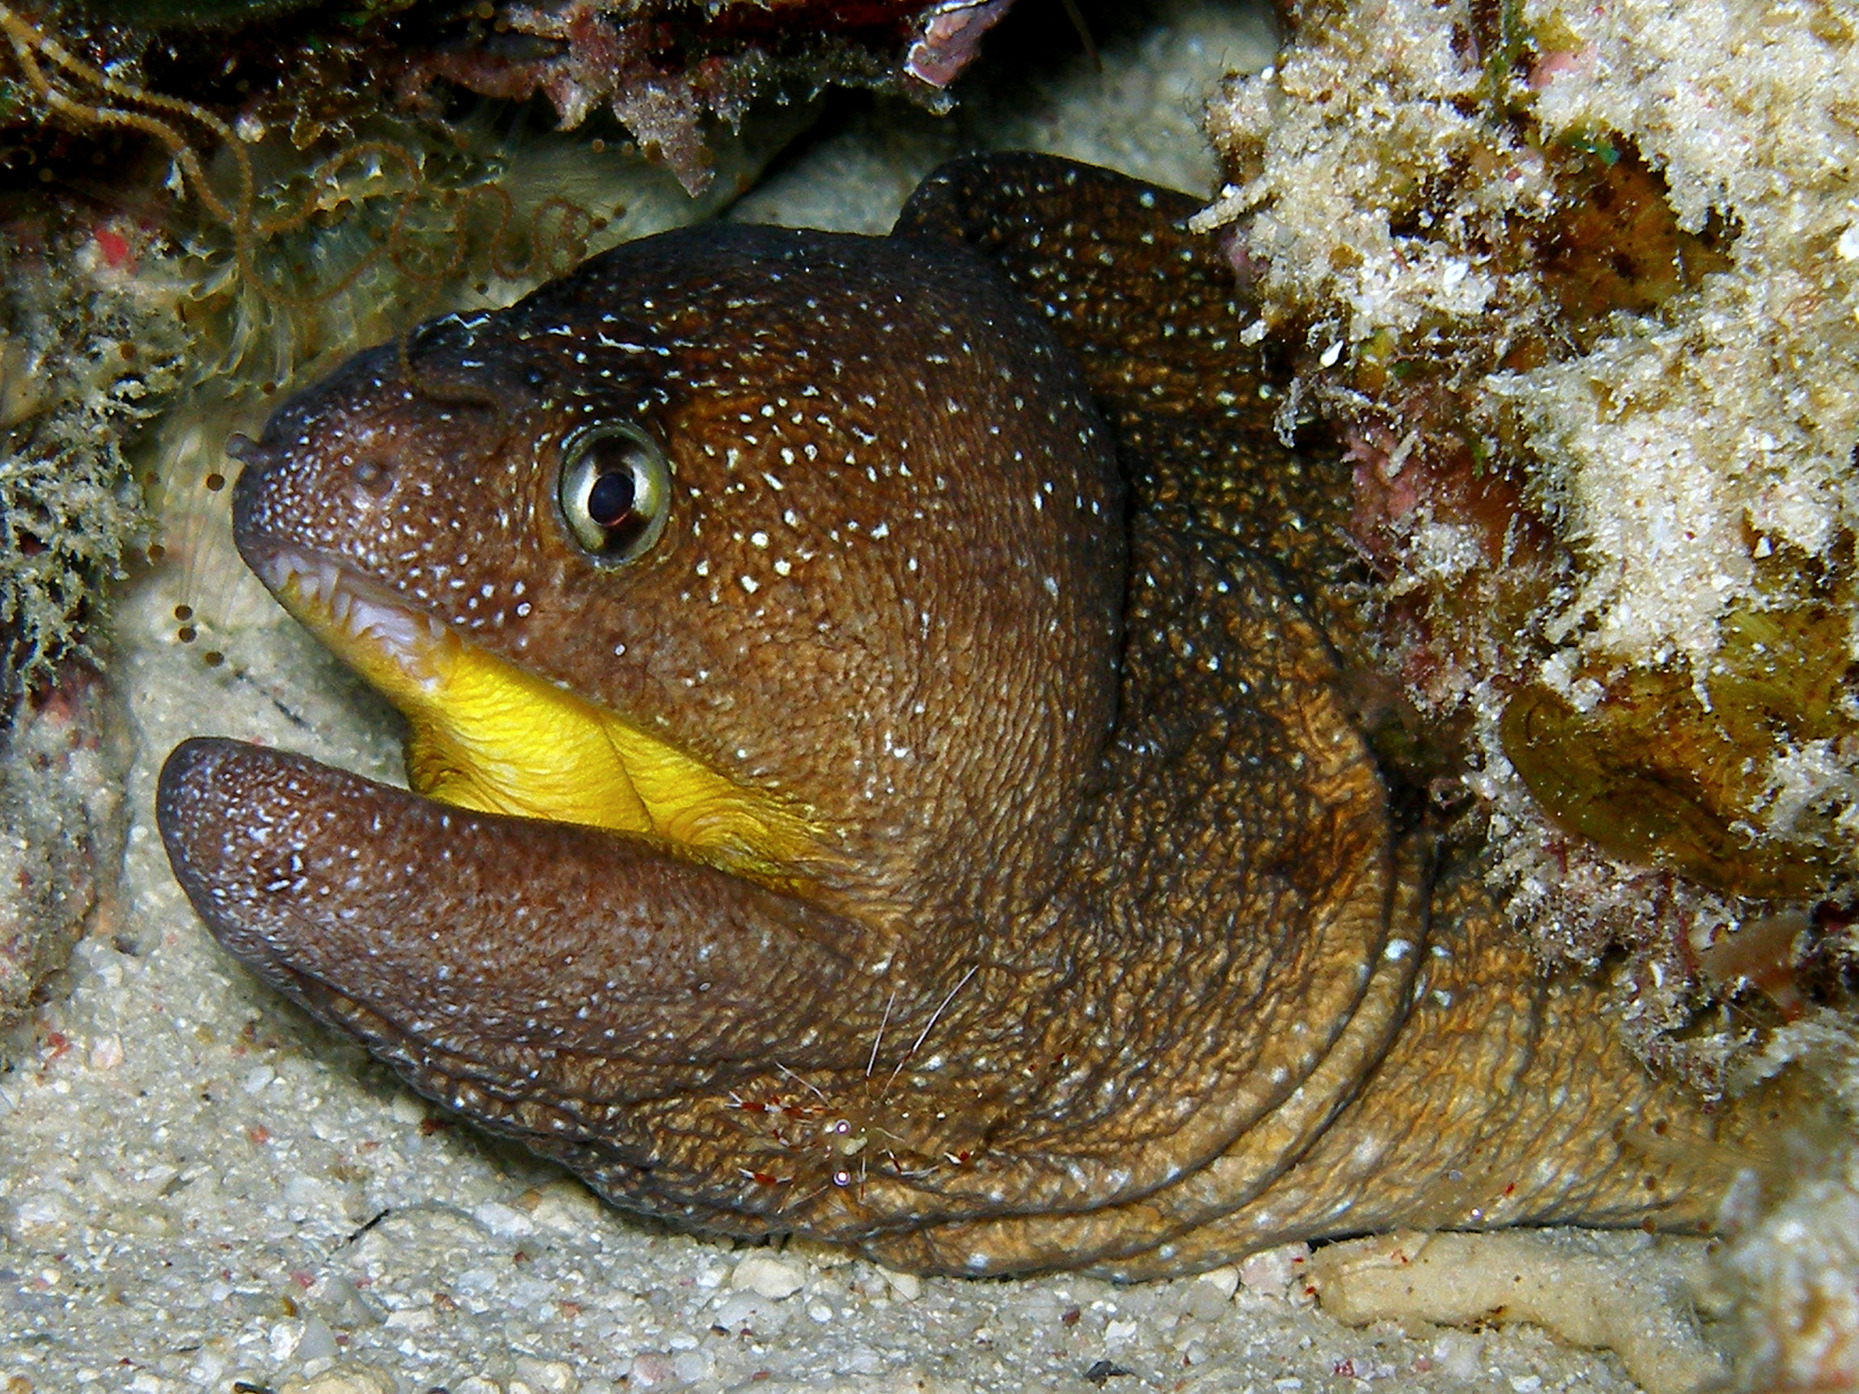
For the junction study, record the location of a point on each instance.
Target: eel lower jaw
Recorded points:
(473, 945)
(491, 737)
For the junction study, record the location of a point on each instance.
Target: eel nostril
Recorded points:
(372, 477)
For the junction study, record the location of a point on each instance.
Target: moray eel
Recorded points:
(885, 766)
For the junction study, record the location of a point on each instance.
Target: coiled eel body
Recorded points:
(883, 767)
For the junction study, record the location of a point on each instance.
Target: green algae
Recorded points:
(1667, 771)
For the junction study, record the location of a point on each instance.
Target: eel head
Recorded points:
(753, 598)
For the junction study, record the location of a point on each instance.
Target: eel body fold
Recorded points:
(882, 766)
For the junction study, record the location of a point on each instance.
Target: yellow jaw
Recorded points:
(490, 737)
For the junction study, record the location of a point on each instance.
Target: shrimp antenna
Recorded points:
(878, 1039)
(928, 1026)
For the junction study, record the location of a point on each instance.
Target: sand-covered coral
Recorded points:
(675, 74)
(87, 345)
(669, 71)
(1576, 1284)
(1579, 287)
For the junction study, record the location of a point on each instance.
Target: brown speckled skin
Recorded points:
(1115, 955)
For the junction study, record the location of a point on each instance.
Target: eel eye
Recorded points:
(615, 491)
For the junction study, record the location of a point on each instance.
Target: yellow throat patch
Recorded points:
(490, 737)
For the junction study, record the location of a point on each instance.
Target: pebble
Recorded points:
(769, 1275)
(652, 1369)
(546, 1376)
(1459, 1354)
(346, 1379)
(1272, 1272)
(747, 1311)
(317, 1342)
(907, 1287)
(1210, 1296)
(504, 1221)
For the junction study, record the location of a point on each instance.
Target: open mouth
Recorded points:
(486, 735)
(382, 638)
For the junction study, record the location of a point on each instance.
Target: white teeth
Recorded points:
(327, 596)
(397, 629)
